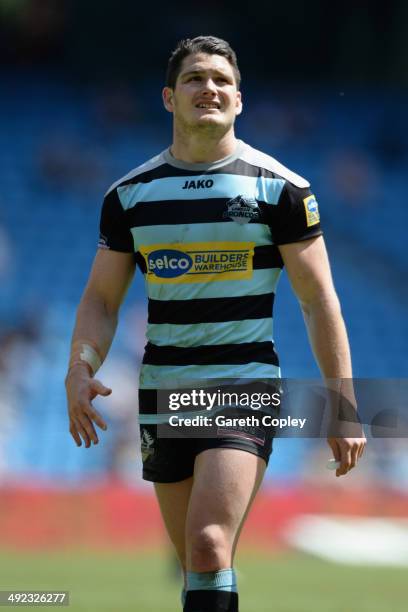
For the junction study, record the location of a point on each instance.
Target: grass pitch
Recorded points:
(146, 582)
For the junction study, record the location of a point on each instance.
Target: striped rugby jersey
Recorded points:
(206, 238)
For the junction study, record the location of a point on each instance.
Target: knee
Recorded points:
(209, 549)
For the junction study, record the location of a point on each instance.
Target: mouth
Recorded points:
(208, 105)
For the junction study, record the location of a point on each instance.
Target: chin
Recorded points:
(210, 120)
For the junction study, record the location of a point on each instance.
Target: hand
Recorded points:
(348, 451)
(81, 390)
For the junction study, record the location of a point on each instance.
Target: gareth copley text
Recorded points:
(221, 420)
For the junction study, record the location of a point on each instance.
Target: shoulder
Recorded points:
(136, 173)
(262, 160)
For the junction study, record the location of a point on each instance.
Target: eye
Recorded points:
(196, 77)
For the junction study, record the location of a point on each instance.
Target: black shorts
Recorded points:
(171, 459)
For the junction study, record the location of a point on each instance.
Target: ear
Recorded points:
(168, 99)
(238, 104)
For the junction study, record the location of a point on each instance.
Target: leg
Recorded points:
(173, 500)
(169, 464)
(225, 483)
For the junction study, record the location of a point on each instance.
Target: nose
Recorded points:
(209, 87)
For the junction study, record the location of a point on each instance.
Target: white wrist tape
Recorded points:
(91, 357)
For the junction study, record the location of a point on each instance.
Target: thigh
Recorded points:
(225, 483)
(173, 500)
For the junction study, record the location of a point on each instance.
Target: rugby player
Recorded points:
(210, 222)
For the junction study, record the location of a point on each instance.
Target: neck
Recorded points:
(202, 148)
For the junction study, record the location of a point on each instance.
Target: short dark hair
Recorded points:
(200, 44)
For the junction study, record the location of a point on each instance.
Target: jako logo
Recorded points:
(168, 263)
(201, 184)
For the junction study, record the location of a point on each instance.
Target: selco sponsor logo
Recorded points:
(198, 262)
(167, 263)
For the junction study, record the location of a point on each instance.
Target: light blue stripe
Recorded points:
(269, 190)
(224, 186)
(262, 281)
(222, 580)
(205, 334)
(163, 417)
(201, 232)
(160, 419)
(152, 376)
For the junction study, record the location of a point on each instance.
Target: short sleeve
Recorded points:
(296, 216)
(114, 232)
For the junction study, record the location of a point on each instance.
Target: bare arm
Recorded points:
(308, 269)
(96, 323)
(98, 309)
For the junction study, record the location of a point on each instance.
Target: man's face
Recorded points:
(205, 95)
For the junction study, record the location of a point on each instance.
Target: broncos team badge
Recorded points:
(242, 210)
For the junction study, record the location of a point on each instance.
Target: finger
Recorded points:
(335, 448)
(89, 428)
(362, 449)
(83, 409)
(74, 433)
(354, 456)
(99, 389)
(83, 433)
(345, 461)
(97, 418)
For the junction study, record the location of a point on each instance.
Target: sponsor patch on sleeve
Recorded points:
(312, 210)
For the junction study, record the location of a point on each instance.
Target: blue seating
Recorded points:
(53, 226)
